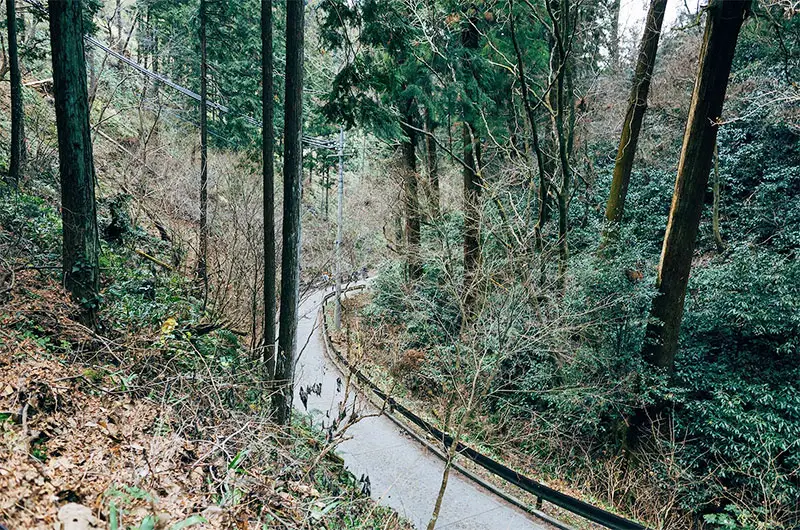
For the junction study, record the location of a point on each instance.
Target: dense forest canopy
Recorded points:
(581, 219)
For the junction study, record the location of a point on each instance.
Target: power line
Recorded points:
(312, 141)
(160, 78)
(320, 143)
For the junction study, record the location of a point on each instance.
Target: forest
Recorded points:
(394, 264)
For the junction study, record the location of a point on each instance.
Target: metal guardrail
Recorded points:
(542, 492)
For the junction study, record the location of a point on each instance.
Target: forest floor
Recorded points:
(130, 429)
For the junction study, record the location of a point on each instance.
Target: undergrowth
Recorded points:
(162, 410)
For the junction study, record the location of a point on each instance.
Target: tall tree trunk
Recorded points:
(564, 111)
(432, 166)
(613, 34)
(472, 196)
(78, 210)
(155, 62)
(17, 112)
(118, 21)
(268, 155)
(723, 22)
(537, 149)
(472, 178)
(202, 263)
(292, 174)
(632, 125)
(411, 195)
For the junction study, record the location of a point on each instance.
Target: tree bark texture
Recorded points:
(78, 210)
(268, 156)
(411, 194)
(634, 116)
(202, 263)
(724, 20)
(17, 112)
(292, 175)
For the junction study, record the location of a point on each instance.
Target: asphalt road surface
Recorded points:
(402, 473)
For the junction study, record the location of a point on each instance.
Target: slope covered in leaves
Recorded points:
(152, 422)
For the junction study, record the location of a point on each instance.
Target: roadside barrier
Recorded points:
(542, 492)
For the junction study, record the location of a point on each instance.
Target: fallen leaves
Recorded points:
(80, 450)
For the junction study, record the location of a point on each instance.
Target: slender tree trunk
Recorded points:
(337, 311)
(411, 195)
(472, 194)
(154, 60)
(17, 112)
(632, 125)
(537, 149)
(724, 20)
(79, 219)
(90, 56)
(472, 179)
(292, 174)
(715, 210)
(570, 107)
(4, 65)
(563, 135)
(432, 163)
(118, 20)
(202, 264)
(448, 466)
(268, 155)
(613, 37)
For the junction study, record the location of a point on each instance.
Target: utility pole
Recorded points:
(337, 315)
(327, 187)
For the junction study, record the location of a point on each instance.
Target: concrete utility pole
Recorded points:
(337, 315)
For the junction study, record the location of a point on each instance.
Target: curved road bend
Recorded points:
(402, 473)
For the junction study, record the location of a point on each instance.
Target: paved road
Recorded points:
(402, 473)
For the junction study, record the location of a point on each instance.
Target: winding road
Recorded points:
(402, 473)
